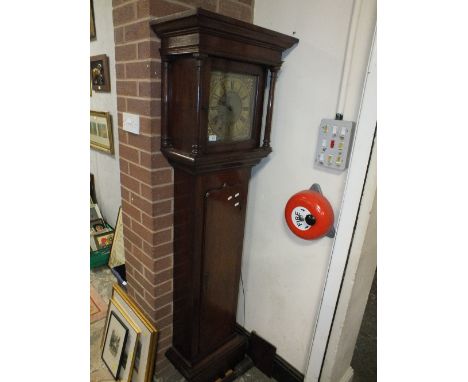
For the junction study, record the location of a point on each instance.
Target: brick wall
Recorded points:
(145, 175)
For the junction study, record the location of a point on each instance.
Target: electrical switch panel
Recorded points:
(334, 143)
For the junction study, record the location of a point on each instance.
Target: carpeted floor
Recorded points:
(102, 280)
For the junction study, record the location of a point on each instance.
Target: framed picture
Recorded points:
(100, 75)
(92, 32)
(100, 133)
(117, 255)
(145, 351)
(94, 212)
(98, 226)
(114, 344)
(103, 239)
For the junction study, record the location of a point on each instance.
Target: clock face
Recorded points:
(231, 106)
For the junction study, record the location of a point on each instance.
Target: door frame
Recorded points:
(355, 182)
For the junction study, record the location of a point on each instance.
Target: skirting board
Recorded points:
(348, 375)
(282, 370)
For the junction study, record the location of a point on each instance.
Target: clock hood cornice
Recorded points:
(204, 32)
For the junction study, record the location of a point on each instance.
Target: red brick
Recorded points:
(147, 191)
(153, 179)
(155, 160)
(160, 300)
(162, 176)
(129, 153)
(143, 142)
(163, 236)
(137, 31)
(164, 263)
(125, 194)
(150, 126)
(148, 49)
(158, 251)
(143, 232)
(141, 301)
(140, 203)
(157, 223)
(126, 52)
(164, 207)
(145, 107)
(160, 8)
(130, 235)
(149, 89)
(165, 342)
(127, 220)
(124, 14)
(129, 183)
(119, 35)
(121, 104)
(141, 174)
(138, 69)
(147, 285)
(163, 288)
(131, 211)
(163, 192)
(143, 8)
(123, 136)
(116, 3)
(130, 259)
(126, 88)
(164, 322)
(120, 119)
(206, 4)
(144, 259)
(165, 331)
(120, 71)
(164, 275)
(124, 166)
(232, 9)
(163, 312)
(154, 273)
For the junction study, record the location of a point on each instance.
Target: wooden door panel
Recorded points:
(223, 238)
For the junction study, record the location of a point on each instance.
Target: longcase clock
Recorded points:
(215, 71)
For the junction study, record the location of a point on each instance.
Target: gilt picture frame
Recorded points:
(100, 132)
(146, 350)
(114, 344)
(92, 24)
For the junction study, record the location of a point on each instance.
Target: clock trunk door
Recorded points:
(222, 252)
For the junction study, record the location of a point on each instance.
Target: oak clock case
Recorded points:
(214, 75)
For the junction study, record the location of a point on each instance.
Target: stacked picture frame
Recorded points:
(129, 340)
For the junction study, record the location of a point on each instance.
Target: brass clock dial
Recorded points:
(231, 106)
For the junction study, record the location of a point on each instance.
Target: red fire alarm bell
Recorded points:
(309, 214)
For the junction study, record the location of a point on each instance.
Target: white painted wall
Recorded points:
(105, 167)
(284, 275)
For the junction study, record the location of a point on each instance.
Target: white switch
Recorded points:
(324, 143)
(131, 123)
(322, 158)
(335, 128)
(343, 132)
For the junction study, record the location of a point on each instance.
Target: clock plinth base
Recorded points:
(213, 366)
